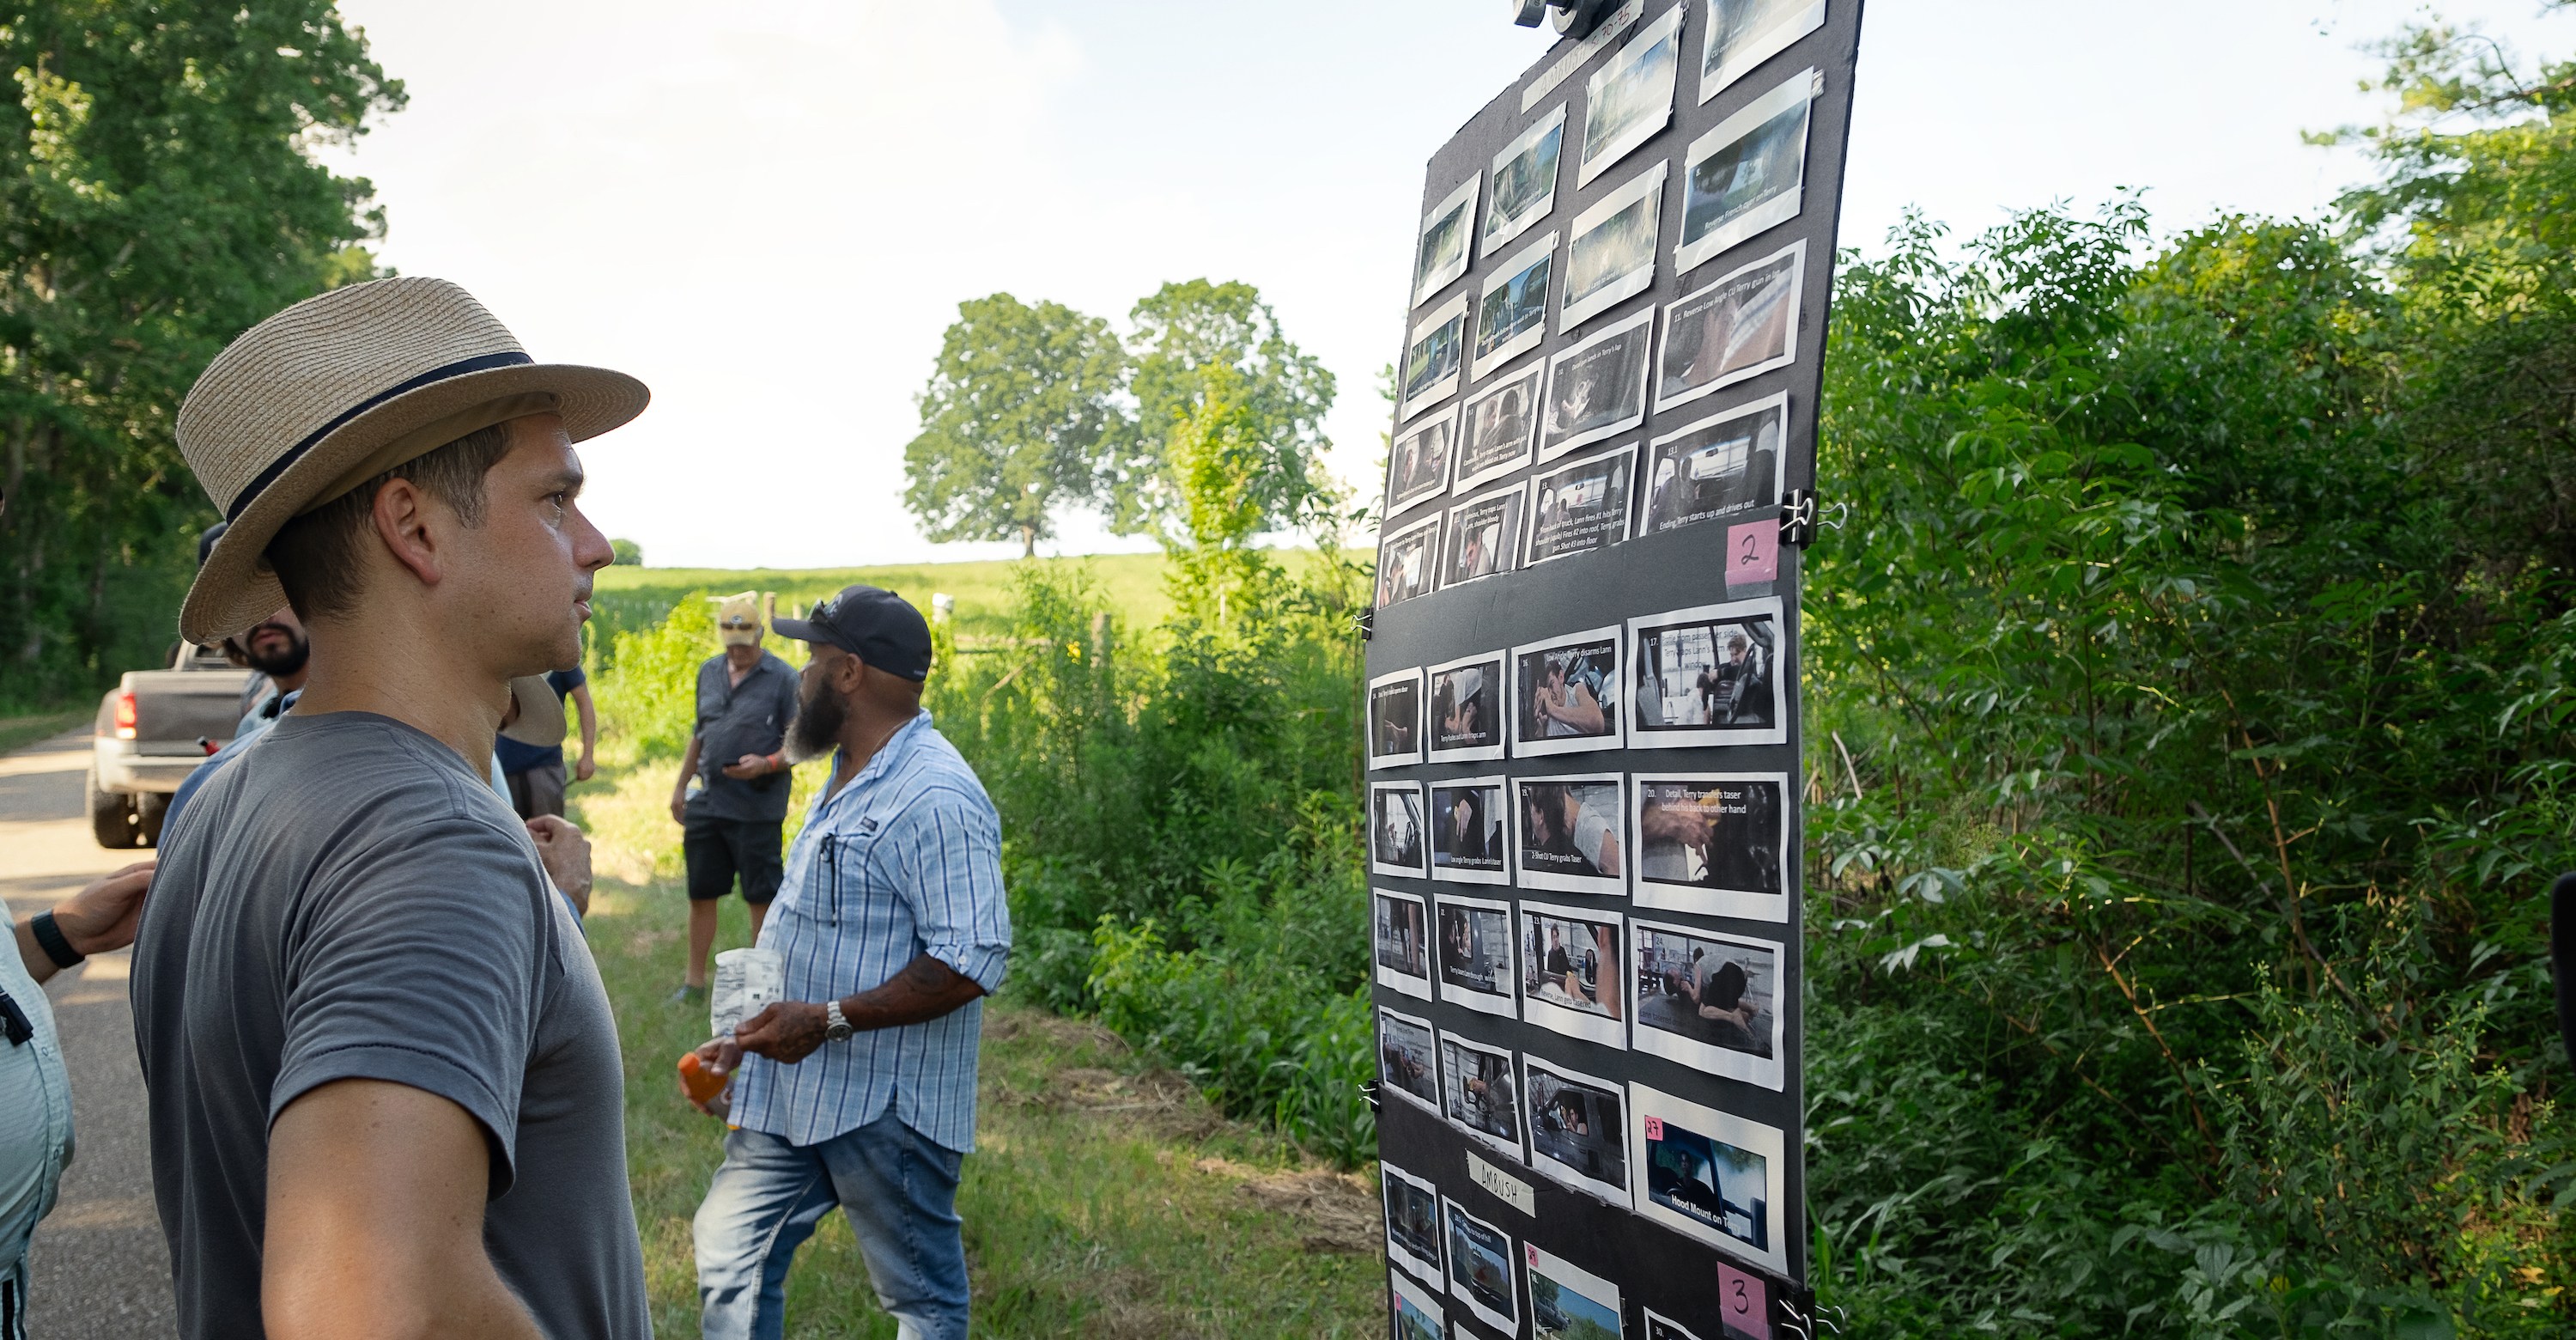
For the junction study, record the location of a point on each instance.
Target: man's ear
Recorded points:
(402, 518)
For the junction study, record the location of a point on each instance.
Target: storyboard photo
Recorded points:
(1477, 1094)
(1403, 943)
(1597, 389)
(1501, 427)
(1396, 835)
(1725, 467)
(1581, 507)
(1708, 1001)
(1408, 1063)
(1571, 973)
(1707, 675)
(1565, 694)
(1395, 719)
(1467, 819)
(1712, 844)
(1568, 833)
(1578, 1128)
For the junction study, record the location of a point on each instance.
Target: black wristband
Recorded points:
(50, 936)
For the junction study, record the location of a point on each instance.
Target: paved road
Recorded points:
(101, 1271)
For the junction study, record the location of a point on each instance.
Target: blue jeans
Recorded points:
(900, 1193)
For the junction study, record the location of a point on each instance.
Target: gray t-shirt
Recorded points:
(348, 901)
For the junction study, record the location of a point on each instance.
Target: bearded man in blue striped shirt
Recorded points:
(858, 1090)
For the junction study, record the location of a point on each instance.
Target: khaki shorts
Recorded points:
(539, 790)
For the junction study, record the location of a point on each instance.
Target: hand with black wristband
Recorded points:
(96, 920)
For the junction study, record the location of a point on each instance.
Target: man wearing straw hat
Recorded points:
(385, 1090)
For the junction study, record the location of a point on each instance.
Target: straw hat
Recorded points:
(540, 721)
(340, 388)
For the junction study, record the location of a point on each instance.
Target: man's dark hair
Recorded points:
(316, 554)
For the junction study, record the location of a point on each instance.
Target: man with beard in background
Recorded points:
(275, 649)
(858, 1090)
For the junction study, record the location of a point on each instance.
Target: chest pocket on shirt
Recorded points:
(841, 868)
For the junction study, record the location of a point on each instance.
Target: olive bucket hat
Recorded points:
(340, 388)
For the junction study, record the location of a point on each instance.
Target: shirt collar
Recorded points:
(897, 743)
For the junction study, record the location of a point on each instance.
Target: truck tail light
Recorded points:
(125, 715)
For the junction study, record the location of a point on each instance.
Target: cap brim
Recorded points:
(540, 722)
(801, 630)
(235, 589)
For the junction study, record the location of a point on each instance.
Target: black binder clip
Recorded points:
(1367, 620)
(1369, 1095)
(1798, 517)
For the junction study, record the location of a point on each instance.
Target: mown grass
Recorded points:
(1106, 1199)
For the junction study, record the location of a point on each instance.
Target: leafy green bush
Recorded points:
(2185, 774)
(648, 694)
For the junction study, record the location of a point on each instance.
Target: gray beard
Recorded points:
(817, 727)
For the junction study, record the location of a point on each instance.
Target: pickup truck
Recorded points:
(153, 729)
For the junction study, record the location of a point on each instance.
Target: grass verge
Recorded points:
(15, 731)
(1106, 1198)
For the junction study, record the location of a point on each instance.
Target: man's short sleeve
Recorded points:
(565, 681)
(419, 960)
(702, 702)
(946, 855)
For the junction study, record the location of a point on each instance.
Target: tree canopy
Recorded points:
(1279, 396)
(157, 197)
(1016, 422)
(1033, 409)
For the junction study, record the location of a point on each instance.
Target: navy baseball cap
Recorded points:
(871, 623)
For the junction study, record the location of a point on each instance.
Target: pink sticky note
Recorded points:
(1753, 552)
(1654, 1128)
(1744, 1304)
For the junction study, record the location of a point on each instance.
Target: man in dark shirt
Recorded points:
(733, 823)
(535, 775)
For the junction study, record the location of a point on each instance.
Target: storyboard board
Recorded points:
(1584, 754)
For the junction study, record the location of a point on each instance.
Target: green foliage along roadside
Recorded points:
(2177, 819)
(158, 195)
(1181, 829)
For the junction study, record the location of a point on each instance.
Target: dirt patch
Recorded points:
(1337, 1211)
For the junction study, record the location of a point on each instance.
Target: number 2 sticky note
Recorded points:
(1753, 552)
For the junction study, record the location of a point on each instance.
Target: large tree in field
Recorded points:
(156, 197)
(1279, 395)
(1014, 421)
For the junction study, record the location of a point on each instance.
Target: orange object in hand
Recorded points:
(702, 1084)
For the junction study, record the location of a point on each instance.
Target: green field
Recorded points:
(1106, 1199)
(629, 598)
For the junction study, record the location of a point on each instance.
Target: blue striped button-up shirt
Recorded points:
(903, 861)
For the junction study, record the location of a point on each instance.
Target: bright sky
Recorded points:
(770, 211)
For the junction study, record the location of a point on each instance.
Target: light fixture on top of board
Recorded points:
(1571, 18)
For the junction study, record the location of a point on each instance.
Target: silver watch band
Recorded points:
(835, 1026)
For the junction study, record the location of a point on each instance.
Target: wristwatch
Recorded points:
(835, 1027)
